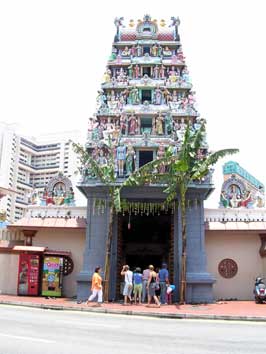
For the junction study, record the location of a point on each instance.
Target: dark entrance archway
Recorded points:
(144, 240)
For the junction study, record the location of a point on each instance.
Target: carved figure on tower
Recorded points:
(159, 124)
(121, 158)
(130, 159)
(133, 124)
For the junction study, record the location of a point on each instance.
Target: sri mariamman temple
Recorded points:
(144, 106)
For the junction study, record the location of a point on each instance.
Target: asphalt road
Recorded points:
(34, 331)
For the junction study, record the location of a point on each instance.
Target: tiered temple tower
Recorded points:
(144, 105)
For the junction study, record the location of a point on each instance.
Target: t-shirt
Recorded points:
(163, 274)
(96, 283)
(146, 274)
(137, 278)
(128, 277)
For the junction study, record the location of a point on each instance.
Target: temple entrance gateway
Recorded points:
(144, 240)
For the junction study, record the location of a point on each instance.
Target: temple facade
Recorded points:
(145, 105)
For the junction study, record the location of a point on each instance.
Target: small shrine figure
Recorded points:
(160, 50)
(159, 124)
(134, 95)
(130, 71)
(197, 124)
(95, 132)
(139, 50)
(224, 199)
(136, 71)
(168, 123)
(109, 128)
(180, 55)
(121, 77)
(167, 52)
(133, 125)
(185, 76)
(174, 59)
(167, 95)
(102, 160)
(175, 96)
(259, 198)
(90, 128)
(101, 99)
(130, 160)
(246, 199)
(123, 123)
(158, 96)
(125, 52)
(133, 51)
(156, 72)
(107, 76)
(160, 155)
(154, 50)
(162, 72)
(121, 157)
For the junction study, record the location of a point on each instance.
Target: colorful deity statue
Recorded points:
(107, 76)
(224, 199)
(154, 50)
(162, 72)
(133, 125)
(259, 198)
(160, 155)
(133, 51)
(156, 72)
(134, 95)
(168, 123)
(125, 52)
(123, 123)
(130, 71)
(136, 71)
(167, 95)
(139, 50)
(167, 52)
(159, 124)
(121, 158)
(130, 159)
(180, 55)
(158, 96)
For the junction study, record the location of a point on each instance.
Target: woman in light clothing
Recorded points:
(128, 283)
(96, 287)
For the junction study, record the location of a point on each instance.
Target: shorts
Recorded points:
(127, 289)
(137, 289)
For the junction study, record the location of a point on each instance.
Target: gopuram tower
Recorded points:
(145, 104)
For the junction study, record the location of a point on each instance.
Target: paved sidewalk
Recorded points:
(224, 310)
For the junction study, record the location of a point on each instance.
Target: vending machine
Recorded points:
(29, 274)
(52, 276)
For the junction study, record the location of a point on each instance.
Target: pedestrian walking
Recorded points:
(96, 287)
(164, 282)
(126, 272)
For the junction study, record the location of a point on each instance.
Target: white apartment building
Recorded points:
(29, 163)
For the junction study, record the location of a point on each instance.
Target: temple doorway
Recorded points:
(143, 240)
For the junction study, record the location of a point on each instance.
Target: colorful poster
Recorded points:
(52, 276)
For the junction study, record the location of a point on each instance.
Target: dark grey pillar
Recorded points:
(94, 252)
(199, 282)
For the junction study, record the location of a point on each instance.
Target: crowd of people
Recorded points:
(150, 285)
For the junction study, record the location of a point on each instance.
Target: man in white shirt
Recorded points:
(128, 283)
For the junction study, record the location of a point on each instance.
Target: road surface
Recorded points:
(34, 331)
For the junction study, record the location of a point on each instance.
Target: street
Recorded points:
(34, 331)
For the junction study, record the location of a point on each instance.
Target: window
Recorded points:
(145, 156)
(146, 70)
(146, 125)
(146, 96)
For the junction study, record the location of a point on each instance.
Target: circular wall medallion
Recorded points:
(227, 268)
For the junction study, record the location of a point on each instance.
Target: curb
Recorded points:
(138, 313)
